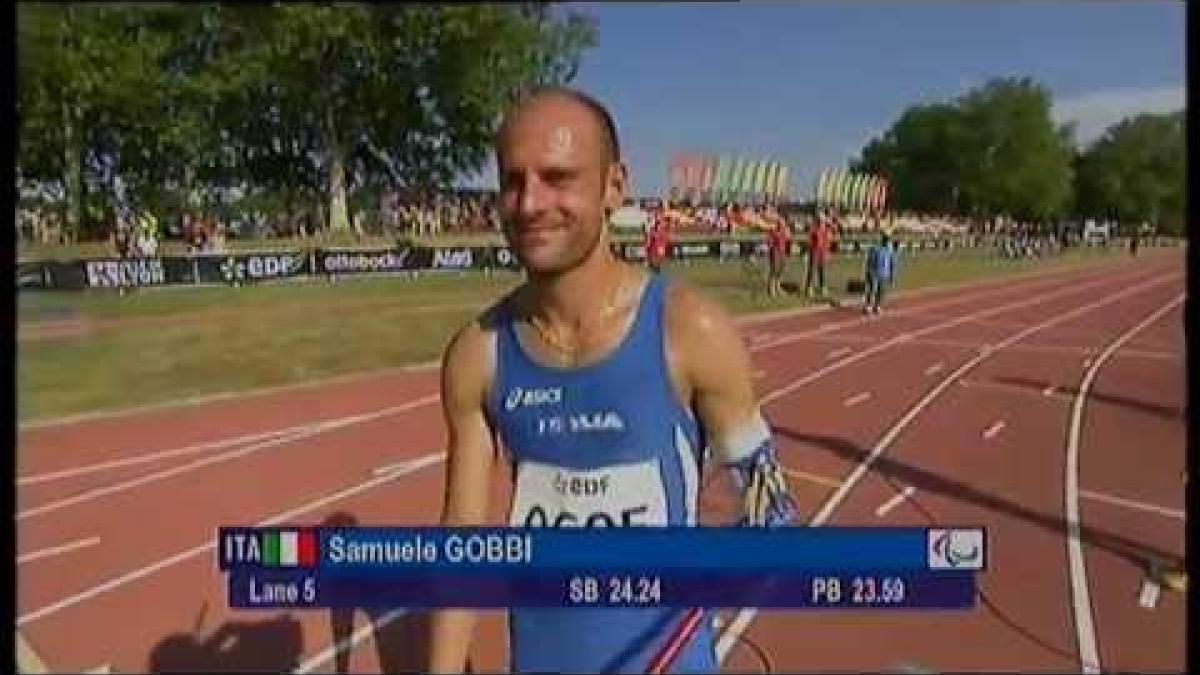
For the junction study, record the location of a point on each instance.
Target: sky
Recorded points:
(809, 84)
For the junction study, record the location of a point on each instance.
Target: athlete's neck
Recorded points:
(577, 297)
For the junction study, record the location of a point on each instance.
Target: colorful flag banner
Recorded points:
(781, 183)
(831, 187)
(745, 167)
(772, 178)
(724, 172)
(760, 179)
(842, 196)
(709, 177)
(860, 192)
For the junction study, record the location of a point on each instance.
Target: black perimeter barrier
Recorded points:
(248, 267)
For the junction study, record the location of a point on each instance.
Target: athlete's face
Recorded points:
(557, 184)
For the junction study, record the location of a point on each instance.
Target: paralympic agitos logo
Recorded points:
(956, 549)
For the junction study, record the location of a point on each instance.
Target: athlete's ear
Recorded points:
(615, 185)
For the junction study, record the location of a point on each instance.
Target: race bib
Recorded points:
(627, 495)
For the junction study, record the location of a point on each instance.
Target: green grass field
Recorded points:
(164, 344)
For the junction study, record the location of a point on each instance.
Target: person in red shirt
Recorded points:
(656, 243)
(779, 245)
(819, 238)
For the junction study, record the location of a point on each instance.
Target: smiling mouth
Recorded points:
(536, 232)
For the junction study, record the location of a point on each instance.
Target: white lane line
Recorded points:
(159, 454)
(809, 477)
(277, 519)
(1031, 283)
(221, 397)
(746, 615)
(28, 660)
(862, 397)
(1177, 514)
(1148, 598)
(1081, 601)
(894, 501)
(57, 550)
(156, 476)
(1008, 387)
(838, 352)
(348, 643)
(883, 346)
(388, 468)
(935, 368)
(997, 427)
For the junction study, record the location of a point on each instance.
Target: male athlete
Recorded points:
(593, 373)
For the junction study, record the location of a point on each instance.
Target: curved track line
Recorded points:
(1081, 603)
(746, 615)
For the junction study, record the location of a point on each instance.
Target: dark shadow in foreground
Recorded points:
(270, 646)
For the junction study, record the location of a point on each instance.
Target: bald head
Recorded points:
(560, 178)
(544, 102)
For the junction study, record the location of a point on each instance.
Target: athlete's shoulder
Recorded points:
(704, 345)
(470, 354)
(690, 310)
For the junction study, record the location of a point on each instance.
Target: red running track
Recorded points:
(116, 515)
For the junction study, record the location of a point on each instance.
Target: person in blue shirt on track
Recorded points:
(880, 273)
(593, 373)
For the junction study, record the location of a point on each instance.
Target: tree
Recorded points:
(410, 92)
(1017, 161)
(1135, 172)
(922, 154)
(311, 101)
(994, 150)
(83, 74)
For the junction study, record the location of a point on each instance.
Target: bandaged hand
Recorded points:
(750, 457)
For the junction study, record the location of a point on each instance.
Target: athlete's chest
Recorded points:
(584, 422)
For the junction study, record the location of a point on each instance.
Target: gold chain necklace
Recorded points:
(569, 352)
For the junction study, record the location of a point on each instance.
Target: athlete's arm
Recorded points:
(707, 350)
(466, 369)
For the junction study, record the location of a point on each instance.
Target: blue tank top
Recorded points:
(603, 445)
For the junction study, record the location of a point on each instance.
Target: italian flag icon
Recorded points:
(290, 548)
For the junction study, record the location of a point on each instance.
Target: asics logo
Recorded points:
(518, 397)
